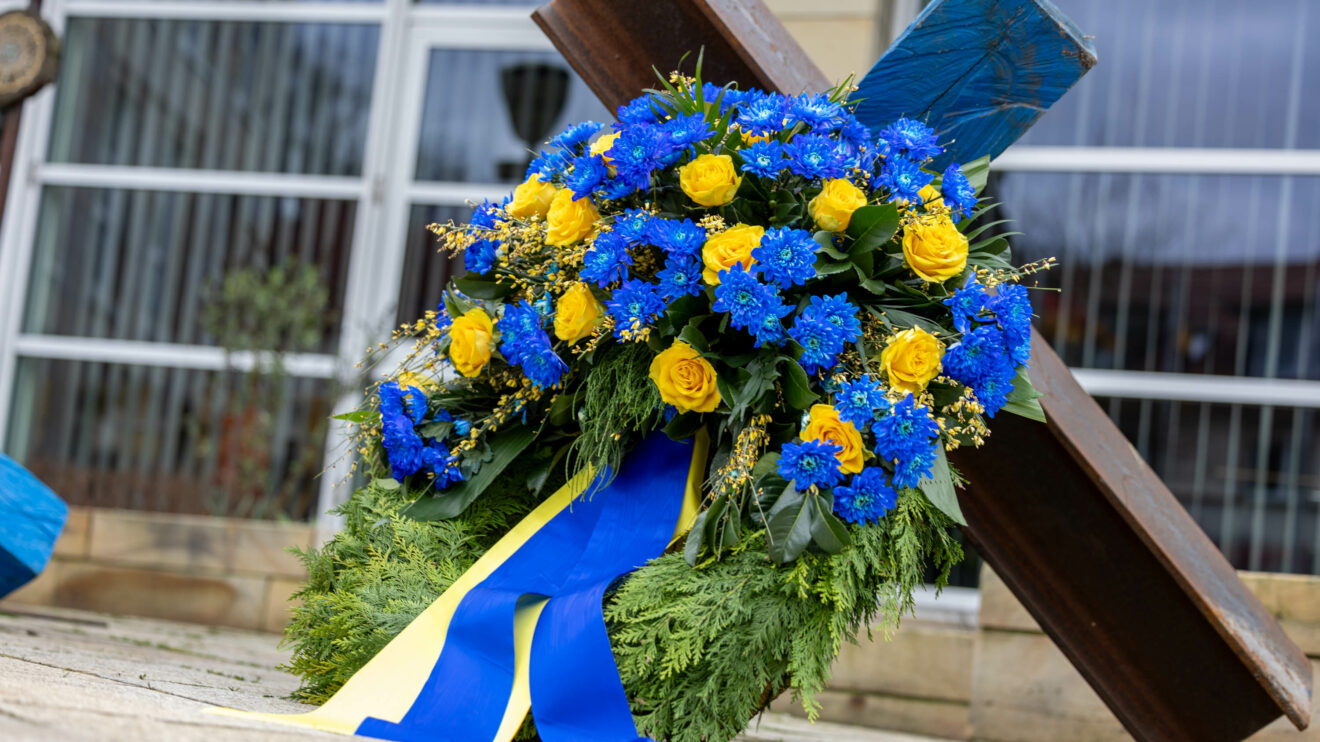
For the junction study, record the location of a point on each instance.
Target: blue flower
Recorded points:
(763, 158)
(763, 114)
(550, 165)
(909, 438)
(912, 139)
(462, 427)
(680, 277)
(1012, 308)
(403, 447)
(967, 304)
(992, 391)
(810, 463)
(576, 134)
(903, 178)
(588, 174)
(786, 257)
(818, 112)
(520, 332)
(685, 131)
(640, 110)
(820, 341)
(979, 355)
(633, 307)
(860, 402)
(678, 238)
(607, 261)
(479, 257)
(814, 156)
(866, 498)
(957, 191)
(543, 367)
(633, 226)
(727, 97)
(771, 329)
(746, 299)
(837, 311)
(638, 151)
(437, 459)
(442, 318)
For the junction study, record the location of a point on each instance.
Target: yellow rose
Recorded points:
(469, 341)
(833, 207)
(934, 249)
(578, 314)
(912, 359)
(731, 247)
(685, 379)
(710, 180)
(532, 199)
(568, 221)
(602, 146)
(823, 424)
(414, 379)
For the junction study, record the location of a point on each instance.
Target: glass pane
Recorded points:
(1183, 273)
(1190, 73)
(1249, 475)
(425, 269)
(171, 440)
(276, 97)
(144, 265)
(485, 111)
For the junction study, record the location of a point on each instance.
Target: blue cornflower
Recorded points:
(866, 498)
(980, 354)
(763, 114)
(908, 437)
(810, 463)
(786, 257)
(763, 158)
(633, 307)
(814, 156)
(576, 134)
(967, 304)
(607, 261)
(821, 343)
(642, 110)
(681, 277)
(678, 238)
(860, 402)
(912, 139)
(837, 311)
(743, 297)
(903, 178)
(818, 112)
(957, 191)
(1012, 308)
(588, 174)
(685, 131)
(633, 226)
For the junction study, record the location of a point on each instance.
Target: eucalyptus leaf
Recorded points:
(939, 489)
(505, 446)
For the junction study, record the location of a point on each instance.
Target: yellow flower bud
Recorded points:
(731, 247)
(577, 314)
(532, 199)
(470, 341)
(569, 220)
(710, 180)
(934, 249)
(912, 359)
(833, 207)
(823, 424)
(685, 379)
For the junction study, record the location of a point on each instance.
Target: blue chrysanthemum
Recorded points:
(967, 304)
(762, 113)
(520, 332)
(437, 459)
(993, 389)
(810, 463)
(576, 134)
(860, 402)
(685, 131)
(980, 354)
(908, 437)
(588, 174)
(786, 257)
(480, 256)
(727, 97)
(607, 260)
(866, 498)
(903, 178)
(771, 329)
(1012, 308)
(462, 427)
(911, 139)
(642, 110)
(403, 447)
(543, 367)
(743, 297)
(821, 343)
(765, 159)
(633, 226)
(957, 191)
(814, 156)
(639, 151)
(679, 238)
(633, 307)
(818, 112)
(837, 311)
(680, 277)
(550, 165)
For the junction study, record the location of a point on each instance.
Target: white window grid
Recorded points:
(386, 189)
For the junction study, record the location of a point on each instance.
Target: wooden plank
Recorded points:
(1078, 526)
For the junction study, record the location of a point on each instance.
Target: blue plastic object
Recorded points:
(979, 72)
(31, 518)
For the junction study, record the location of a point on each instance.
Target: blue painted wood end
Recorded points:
(980, 72)
(31, 518)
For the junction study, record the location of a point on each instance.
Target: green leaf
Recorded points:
(1029, 409)
(789, 526)
(683, 426)
(940, 491)
(456, 305)
(712, 524)
(903, 320)
(1022, 388)
(872, 226)
(797, 387)
(505, 446)
(732, 531)
(829, 533)
(479, 289)
(692, 547)
(436, 429)
(829, 268)
(387, 484)
(361, 417)
(976, 172)
(692, 336)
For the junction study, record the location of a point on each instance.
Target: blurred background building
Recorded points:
(221, 204)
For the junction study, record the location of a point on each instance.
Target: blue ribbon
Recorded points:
(577, 695)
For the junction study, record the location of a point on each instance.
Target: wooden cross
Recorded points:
(1078, 526)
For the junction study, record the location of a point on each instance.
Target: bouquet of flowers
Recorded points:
(755, 268)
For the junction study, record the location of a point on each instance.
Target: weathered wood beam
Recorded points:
(1077, 525)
